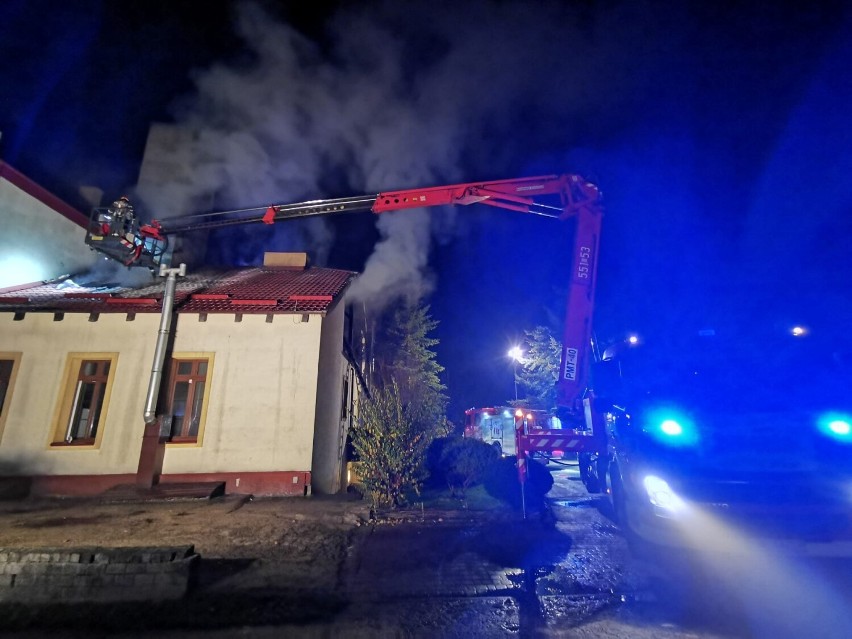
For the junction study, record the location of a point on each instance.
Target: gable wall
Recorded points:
(260, 415)
(36, 242)
(328, 452)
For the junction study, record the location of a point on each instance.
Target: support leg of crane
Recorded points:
(523, 499)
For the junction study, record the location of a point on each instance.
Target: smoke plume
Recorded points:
(399, 96)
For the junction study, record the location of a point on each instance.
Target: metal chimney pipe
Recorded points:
(150, 415)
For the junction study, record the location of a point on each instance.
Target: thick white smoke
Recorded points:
(399, 95)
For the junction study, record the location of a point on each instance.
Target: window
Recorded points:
(83, 405)
(187, 394)
(5, 380)
(8, 368)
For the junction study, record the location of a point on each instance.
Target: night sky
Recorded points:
(719, 133)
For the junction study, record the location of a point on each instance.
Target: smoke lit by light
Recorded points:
(21, 269)
(781, 595)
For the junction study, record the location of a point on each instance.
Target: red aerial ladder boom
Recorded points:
(116, 233)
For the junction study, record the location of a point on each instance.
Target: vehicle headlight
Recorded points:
(664, 500)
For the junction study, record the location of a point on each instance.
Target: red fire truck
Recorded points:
(495, 425)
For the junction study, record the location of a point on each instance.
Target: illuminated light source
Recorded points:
(517, 356)
(506, 413)
(633, 340)
(661, 495)
(519, 413)
(837, 426)
(670, 426)
(799, 331)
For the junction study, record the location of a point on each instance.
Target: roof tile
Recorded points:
(263, 289)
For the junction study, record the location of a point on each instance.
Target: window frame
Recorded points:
(68, 393)
(186, 440)
(15, 358)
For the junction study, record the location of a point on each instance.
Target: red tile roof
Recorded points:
(262, 289)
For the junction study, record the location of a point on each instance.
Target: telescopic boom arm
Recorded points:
(559, 196)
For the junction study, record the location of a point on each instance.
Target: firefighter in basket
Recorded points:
(118, 220)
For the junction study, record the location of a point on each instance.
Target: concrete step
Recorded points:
(166, 490)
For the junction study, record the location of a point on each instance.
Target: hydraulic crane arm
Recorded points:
(518, 195)
(144, 244)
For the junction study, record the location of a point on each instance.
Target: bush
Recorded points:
(465, 462)
(432, 463)
(390, 447)
(501, 482)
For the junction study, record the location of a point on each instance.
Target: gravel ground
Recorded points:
(262, 560)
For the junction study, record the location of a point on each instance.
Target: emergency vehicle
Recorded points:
(496, 426)
(493, 425)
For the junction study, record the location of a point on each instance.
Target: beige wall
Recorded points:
(262, 409)
(36, 242)
(45, 344)
(260, 415)
(328, 451)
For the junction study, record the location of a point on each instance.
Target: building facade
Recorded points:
(257, 390)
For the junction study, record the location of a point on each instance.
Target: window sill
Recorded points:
(182, 440)
(74, 443)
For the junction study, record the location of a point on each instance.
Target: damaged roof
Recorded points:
(261, 289)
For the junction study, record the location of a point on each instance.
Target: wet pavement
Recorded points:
(563, 572)
(569, 573)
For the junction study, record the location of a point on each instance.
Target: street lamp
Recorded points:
(517, 355)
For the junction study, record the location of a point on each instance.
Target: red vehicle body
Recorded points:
(559, 196)
(495, 425)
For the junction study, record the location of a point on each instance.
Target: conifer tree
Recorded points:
(540, 369)
(408, 359)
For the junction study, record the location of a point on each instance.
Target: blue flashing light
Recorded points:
(670, 426)
(837, 426)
